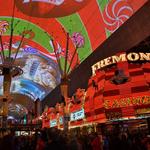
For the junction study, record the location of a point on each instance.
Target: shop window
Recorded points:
(139, 89)
(119, 77)
(87, 114)
(98, 93)
(108, 77)
(99, 111)
(133, 65)
(146, 70)
(136, 73)
(111, 93)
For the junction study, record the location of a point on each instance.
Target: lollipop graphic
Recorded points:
(116, 13)
(78, 39)
(3, 26)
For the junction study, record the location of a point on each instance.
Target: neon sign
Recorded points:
(125, 102)
(123, 57)
(77, 115)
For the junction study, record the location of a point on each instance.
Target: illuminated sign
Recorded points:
(123, 57)
(143, 111)
(77, 115)
(53, 123)
(113, 115)
(61, 120)
(125, 102)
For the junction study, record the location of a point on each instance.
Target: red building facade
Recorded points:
(118, 90)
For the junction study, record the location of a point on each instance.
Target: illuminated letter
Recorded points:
(129, 102)
(102, 63)
(145, 56)
(123, 102)
(133, 56)
(116, 59)
(95, 67)
(143, 100)
(136, 101)
(107, 61)
(107, 104)
(115, 104)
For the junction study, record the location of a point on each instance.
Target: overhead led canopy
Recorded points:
(88, 22)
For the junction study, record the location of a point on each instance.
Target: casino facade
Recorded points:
(81, 62)
(118, 91)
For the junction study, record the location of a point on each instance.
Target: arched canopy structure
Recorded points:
(88, 22)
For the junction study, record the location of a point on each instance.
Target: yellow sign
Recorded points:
(123, 57)
(125, 102)
(143, 111)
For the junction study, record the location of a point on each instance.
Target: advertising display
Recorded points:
(60, 120)
(77, 115)
(40, 74)
(53, 123)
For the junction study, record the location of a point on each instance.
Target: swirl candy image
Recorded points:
(3, 26)
(116, 13)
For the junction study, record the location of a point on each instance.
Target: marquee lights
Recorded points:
(125, 102)
(142, 111)
(123, 57)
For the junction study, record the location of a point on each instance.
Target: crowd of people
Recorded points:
(54, 139)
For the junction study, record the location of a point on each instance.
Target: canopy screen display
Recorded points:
(88, 22)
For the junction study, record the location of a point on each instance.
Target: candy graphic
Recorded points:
(50, 8)
(116, 13)
(3, 26)
(78, 39)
